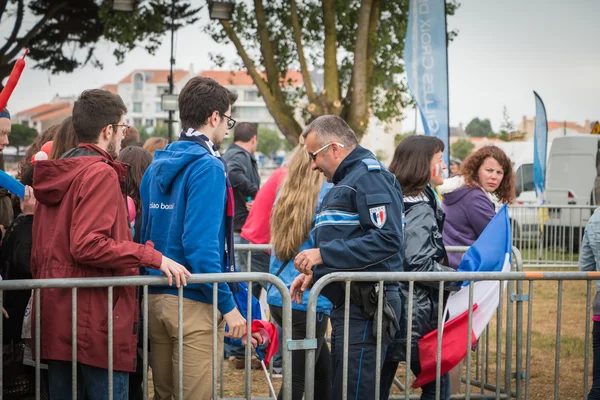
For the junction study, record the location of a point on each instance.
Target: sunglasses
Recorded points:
(314, 155)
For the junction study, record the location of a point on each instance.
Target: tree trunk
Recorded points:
(331, 77)
(281, 113)
(358, 116)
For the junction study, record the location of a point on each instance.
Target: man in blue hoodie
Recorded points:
(187, 212)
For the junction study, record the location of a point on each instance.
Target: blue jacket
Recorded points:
(360, 223)
(289, 273)
(183, 212)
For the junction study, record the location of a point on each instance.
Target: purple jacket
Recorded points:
(468, 211)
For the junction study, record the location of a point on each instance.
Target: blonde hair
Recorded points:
(155, 143)
(295, 207)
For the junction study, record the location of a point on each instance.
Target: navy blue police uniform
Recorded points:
(359, 228)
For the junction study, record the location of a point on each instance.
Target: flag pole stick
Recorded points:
(264, 367)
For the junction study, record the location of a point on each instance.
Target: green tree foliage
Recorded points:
(269, 141)
(400, 136)
(461, 149)
(507, 129)
(62, 35)
(21, 136)
(357, 43)
(479, 128)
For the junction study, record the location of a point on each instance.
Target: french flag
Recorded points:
(490, 253)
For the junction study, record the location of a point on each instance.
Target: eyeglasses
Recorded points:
(230, 121)
(124, 128)
(314, 155)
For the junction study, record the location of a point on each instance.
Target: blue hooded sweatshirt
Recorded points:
(183, 212)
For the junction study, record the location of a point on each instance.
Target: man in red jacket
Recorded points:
(81, 231)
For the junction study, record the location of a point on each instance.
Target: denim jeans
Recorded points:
(92, 382)
(595, 390)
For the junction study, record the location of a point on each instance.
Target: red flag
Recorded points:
(268, 331)
(454, 348)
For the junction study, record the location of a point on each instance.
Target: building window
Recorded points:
(158, 107)
(160, 90)
(25, 122)
(138, 81)
(253, 114)
(149, 122)
(137, 122)
(251, 95)
(137, 107)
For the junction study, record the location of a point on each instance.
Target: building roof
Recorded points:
(44, 108)
(157, 75)
(552, 125)
(242, 78)
(66, 111)
(111, 87)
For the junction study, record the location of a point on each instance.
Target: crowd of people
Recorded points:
(98, 203)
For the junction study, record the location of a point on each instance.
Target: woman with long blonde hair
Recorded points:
(292, 219)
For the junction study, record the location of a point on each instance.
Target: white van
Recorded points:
(572, 178)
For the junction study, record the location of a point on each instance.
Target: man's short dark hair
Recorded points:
(93, 110)
(244, 132)
(199, 98)
(330, 128)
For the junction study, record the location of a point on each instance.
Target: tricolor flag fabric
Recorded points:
(490, 253)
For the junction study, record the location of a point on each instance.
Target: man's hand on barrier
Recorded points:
(299, 286)
(308, 259)
(236, 323)
(173, 269)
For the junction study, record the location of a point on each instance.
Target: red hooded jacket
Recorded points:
(80, 230)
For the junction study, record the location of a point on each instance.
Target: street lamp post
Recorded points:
(171, 83)
(217, 9)
(221, 9)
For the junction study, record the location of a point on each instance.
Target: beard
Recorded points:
(112, 147)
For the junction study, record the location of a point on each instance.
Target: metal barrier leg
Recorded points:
(180, 343)
(215, 298)
(558, 325)
(248, 371)
(145, 342)
(74, 343)
(529, 332)
(499, 339)
(378, 344)
(519, 337)
(438, 353)
(411, 291)
(468, 335)
(110, 343)
(346, 332)
(586, 361)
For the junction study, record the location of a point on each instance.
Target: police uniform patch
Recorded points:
(378, 216)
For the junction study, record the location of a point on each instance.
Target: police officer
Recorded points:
(358, 228)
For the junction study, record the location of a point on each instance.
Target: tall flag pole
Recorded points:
(540, 149)
(426, 63)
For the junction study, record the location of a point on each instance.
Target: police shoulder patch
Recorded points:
(378, 216)
(372, 165)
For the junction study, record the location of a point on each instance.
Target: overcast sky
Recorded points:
(504, 50)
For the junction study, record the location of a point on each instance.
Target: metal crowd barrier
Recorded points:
(77, 283)
(549, 236)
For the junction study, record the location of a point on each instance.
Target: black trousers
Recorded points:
(595, 391)
(322, 355)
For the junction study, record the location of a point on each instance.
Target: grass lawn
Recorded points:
(543, 349)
